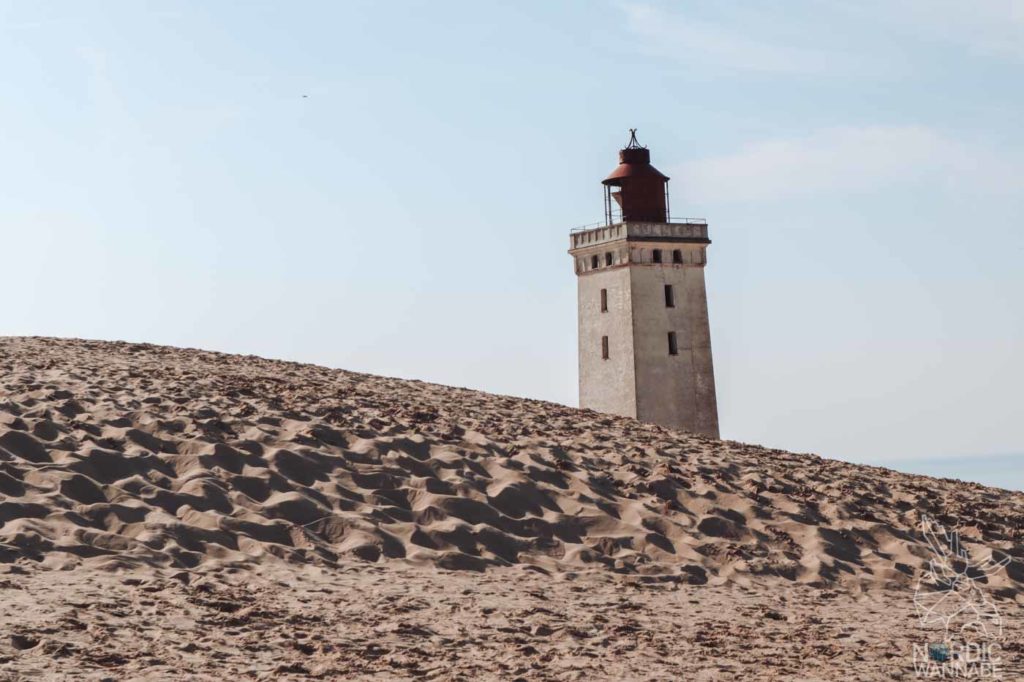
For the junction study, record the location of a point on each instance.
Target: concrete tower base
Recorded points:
(644, 338)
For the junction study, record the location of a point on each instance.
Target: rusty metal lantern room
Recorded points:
(635, 190)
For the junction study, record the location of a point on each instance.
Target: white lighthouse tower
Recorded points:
(644, 338)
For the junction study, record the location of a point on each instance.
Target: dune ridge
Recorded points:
(117, 455)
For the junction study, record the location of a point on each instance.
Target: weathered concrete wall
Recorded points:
(641, 378)
(606, 385)
(673, 390)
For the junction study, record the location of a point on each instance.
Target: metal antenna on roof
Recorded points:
(633, 144)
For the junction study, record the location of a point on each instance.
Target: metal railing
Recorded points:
(671, 219)
(584, 228)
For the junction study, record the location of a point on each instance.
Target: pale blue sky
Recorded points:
(861, 164)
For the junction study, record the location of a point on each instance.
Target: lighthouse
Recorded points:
(644, 338)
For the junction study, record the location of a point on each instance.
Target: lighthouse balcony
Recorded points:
(694, 230)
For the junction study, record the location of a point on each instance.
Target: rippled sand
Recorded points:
(175, 512)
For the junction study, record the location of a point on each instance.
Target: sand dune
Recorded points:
(115, 455)
(123, 457)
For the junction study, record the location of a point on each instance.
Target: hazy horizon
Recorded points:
(389, 189)
(999, 470)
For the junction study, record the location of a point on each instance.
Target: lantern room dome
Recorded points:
(634, 162)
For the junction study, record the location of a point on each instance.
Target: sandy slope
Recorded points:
(162, 461)
(390, 621)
